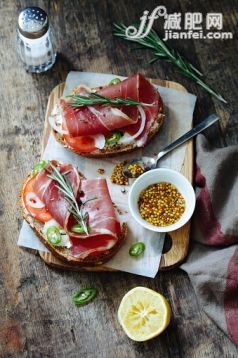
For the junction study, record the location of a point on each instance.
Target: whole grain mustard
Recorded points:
(135, 170)
(117, 176)
(161, 204)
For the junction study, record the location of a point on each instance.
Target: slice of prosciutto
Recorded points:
(102, 219)
(91, 120)
(47, 191)
(140, 89)
(104, 228)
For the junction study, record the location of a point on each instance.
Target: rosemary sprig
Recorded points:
(65, 187)
(95, 98)
(161, 51)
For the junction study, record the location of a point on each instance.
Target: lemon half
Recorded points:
(143, 314)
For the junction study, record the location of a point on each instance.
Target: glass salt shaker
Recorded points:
(35, 41)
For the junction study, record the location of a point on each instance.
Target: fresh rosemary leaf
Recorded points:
(161, 51)
(97, 99)
(78, 211)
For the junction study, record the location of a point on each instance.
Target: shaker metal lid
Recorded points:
(33, 22)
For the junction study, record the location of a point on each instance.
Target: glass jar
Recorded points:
(35, 40)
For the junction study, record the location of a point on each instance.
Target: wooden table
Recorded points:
(37, 317)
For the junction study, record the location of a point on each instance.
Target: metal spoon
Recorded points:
(148, 163)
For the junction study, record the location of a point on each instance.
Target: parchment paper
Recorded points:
(179, 107)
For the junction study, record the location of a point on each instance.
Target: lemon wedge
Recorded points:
(143, 314)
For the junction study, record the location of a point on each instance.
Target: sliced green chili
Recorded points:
(84, 296)
(38, 167)
(78, 229)
(53, 235)
(114, 81)
(115, 137)
(137, 249)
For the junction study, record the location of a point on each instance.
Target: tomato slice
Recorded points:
(41, 214)
(84, 144)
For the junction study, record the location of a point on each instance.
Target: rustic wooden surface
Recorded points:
(179, 242)
(37, 317)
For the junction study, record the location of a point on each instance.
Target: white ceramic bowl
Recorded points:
(156, 176)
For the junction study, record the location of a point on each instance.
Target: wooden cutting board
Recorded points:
(176, 242)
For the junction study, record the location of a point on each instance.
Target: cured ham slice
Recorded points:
(80, 121)
(54, 200)
(102, 219)
(91, 247)
(128, 88)
(91, 120)
(115, 118)
(148, 94)
(104, 228)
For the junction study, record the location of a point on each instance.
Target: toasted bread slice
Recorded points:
(117, 149)
(63, 253)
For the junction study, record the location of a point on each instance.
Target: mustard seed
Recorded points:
(161, 204)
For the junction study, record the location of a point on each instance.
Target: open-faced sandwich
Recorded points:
(73, 216)
(109, 120)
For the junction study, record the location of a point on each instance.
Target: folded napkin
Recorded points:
(212, 264)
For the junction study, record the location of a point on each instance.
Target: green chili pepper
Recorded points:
(53, 235)
(38, 167)
(78, 229)
(84, 296)
(114, 81)
(115, 137)
(137, 249)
